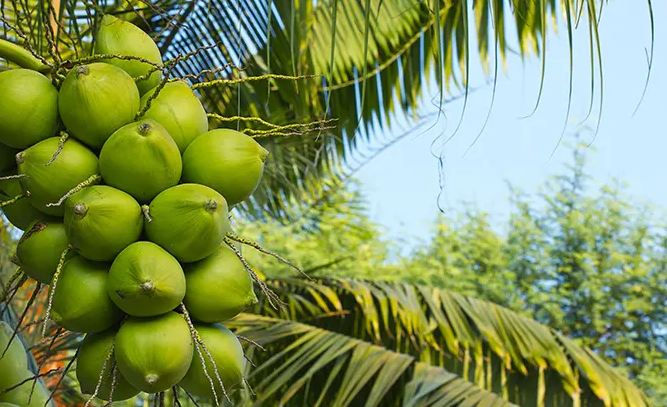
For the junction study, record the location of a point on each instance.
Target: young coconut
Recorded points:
(119, 37)
(94, 350)
(14, 362)
(179, 110)
(24, 396)
(95, 100)
(145, 280)
(47, 184)
(39, 249)
(100, 221)
(7, 157)
(227, 161)
(80, 299)
(28, 108)
(154, 354)
(188, 220)
(218, 287)
(155, 164)
(226, 352)
(20, 213)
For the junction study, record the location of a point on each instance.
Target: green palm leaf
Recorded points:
(498, 350)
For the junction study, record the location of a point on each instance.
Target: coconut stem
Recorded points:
(259, 248)
(216, 82)
(200, 343)
(7, 287)
(29, 379)
(114, 379)
(34, 295)
(93, 179)
(247, 384)
(14, 177)
(45, 359)
(101, 377)
(147, 212)
(177, 402)
(54, 283)
(102, 57)
(12, 293)
(270, 295)
(13, 200)
(158, 89)
(61, 144)
(250, 341)
(62, 376)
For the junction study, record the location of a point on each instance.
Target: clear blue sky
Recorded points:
(402, 183)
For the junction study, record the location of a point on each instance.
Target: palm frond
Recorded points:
(344, 371)
(481, 342)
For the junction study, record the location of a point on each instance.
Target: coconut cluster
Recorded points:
(124, 195)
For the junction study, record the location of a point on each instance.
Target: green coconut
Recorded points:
(7, 157)
(145, 280)
(95, 100)
(93, 352)
(119, 37)
(21, 213)
(40, 248)
(179, 110)
(226, 352)
(218, 287)
(3, 404)
(188, 220)
(227, 161)
(14, 362)
(101, 221)
(25, 396)
(28, 108)
(154, 354)
(81, 302)
(47, 184)
(155, 163)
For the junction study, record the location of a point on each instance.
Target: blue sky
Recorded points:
(402, 184)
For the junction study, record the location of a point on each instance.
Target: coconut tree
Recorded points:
(285, 72)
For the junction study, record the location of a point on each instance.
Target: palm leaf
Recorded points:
(344, 371)
(525, 362)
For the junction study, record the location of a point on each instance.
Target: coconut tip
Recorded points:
(263, 153)
(144, 128)
(147, 286)
(151, 378)
(211, 205)
(82, 70)
(19, 157)
(80, 209)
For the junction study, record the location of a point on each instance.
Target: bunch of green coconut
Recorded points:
(124, 193)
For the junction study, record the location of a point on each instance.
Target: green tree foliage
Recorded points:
(589, 262)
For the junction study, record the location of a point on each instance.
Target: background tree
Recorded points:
(587, 261)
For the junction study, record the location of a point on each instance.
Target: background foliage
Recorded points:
(580, 257)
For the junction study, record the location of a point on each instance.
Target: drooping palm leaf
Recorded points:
(521, 360)
(316, 367)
